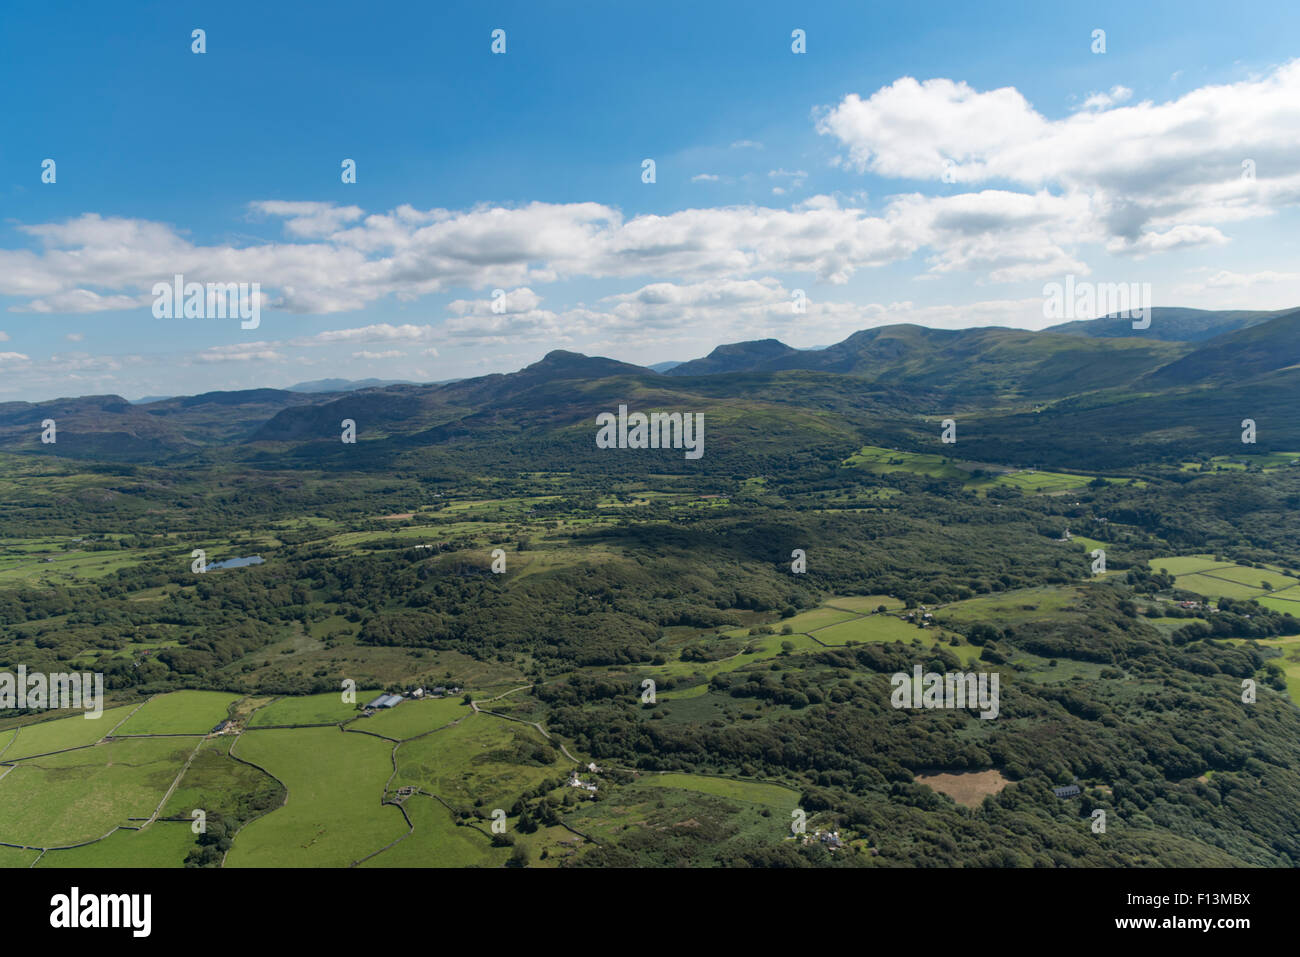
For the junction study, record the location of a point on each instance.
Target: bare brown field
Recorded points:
(967, 787)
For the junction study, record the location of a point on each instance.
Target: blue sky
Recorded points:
(775, 171)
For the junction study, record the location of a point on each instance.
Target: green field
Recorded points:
(1185, 564)
(1166, 626)
(484, 758)
(333, 816)
(1211, 586)
(871, 628)
(1289, 662)
(413, 717)
(754, 792)
(161, 844)
(1032, 480)
(438, 842)
(60, 734)
(17, 857)
(327, 708)
(666, 820)
(884, 461)
(81, 795)
(809, 621)
(1205, 576)
(218, 784)
(1267, 461)
(1088, 544)
(1254, 577)
(754, 648)
(863, 604)
(54, 566)
(683, 694)
(180, 712)
(1288, 601)
(1010, 608)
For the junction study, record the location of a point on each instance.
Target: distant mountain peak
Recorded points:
(736, 357)
(560, 363)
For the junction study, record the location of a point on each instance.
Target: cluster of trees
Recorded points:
(1238, 618)
(826, 725)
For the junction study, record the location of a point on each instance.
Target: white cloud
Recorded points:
(387, 354)
(1143, 169)
(408, 254)
(704, 178)
(82, 301)
(1178, 237)
(241, 352)
(513, 300)
(309, 220)
(1102, 101)
(379, 332)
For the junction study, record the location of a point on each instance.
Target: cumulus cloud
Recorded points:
(1178, 237)
(1101, 101)
(1148, 171)
(309, 220)
(82, 301)
(407, 253)
(511, 301)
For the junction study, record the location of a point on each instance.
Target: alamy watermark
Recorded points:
(1093, 300)
(75, 909)
(56, 690)
(960, 690)
(658, 430)
(179, 299)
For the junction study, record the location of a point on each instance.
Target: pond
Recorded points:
(238, 562)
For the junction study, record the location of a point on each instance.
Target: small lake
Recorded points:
(238, 562)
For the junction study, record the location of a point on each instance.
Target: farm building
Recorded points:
(1069, 791)
(386, 701)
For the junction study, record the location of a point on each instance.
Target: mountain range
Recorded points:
(1022, 397)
